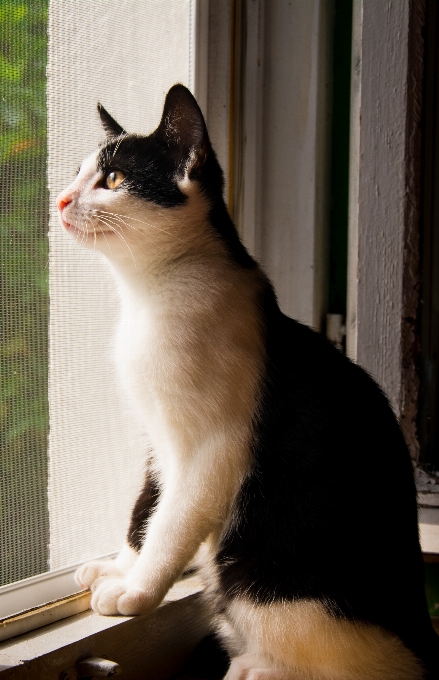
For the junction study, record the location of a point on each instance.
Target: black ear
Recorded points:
(183, 128)
(111, 127)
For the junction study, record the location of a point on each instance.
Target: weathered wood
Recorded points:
(378, 190)
(410, 341)
(154, 645)
(42, 616)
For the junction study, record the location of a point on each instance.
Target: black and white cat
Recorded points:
(275, 461)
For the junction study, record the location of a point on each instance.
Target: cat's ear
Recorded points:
(183, 128)
(111, 127)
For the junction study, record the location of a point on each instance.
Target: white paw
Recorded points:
(115, 596)
(90, 574)
(254, 667)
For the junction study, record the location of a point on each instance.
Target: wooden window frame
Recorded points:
(385, 205)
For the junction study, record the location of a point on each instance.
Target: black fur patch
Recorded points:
(329, 511)
(212, 184)
(148, 169)
(144, 506)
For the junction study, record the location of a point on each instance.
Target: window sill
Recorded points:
(43, 591)
(160, 641)
(429, 529)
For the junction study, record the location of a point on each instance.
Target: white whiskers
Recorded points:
(113, 229)
(148, 224)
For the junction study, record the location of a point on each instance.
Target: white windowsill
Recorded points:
(429, 529)
(36, 591)
(159, 642)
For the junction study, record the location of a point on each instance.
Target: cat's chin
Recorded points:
(71, 229)
(85, 237)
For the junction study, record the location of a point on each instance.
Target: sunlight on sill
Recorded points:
(160, 641)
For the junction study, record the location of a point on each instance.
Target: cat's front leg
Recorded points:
(92, 574)
(193, 505)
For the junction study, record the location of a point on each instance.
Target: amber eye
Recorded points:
(114, 178)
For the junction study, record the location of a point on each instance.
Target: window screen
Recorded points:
(72, 450)
(24, 205)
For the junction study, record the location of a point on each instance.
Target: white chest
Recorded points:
(136, 353)
(153, 360)
(157, 365)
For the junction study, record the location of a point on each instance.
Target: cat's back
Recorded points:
(311, 388)
(331, 499)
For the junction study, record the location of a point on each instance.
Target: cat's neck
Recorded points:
(188, 282)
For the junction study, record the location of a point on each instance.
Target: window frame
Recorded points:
(385, 208)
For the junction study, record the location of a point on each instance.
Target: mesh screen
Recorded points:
(71, 501)
(24, 290)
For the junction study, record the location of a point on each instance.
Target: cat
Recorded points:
(277, 463)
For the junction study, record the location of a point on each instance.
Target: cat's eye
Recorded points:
(114, 178)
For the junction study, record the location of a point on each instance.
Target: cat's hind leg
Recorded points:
(301, 640)
(256, 667)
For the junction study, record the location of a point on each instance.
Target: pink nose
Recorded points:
(62, 201)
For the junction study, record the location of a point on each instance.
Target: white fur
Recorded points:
(189, 353)
(301, 641)
(92, 573)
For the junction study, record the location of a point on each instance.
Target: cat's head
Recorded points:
(138, 195)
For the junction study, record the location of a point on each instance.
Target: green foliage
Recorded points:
(432, 587)
(24, 289)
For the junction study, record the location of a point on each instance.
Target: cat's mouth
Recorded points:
(68, 226)
(84, 233)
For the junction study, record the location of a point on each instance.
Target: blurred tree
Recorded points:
(24, 289)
